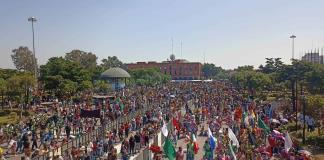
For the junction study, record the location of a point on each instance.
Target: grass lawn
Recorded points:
(9, 119)
(8, 116)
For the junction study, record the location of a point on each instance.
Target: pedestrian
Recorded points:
(131, 145)
(208, 152)
(137, 138)
(180, 154)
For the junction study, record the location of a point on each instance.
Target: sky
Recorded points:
(228, 33)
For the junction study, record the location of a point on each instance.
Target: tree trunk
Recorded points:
(2, 100)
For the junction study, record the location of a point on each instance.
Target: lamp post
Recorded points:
(304, 117)
(33, 20)
(293, 46)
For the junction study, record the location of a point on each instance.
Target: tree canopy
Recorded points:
(149, 76)
(23, 59)
(60, 74)
(112, 61)
(87, 60)
(210, 71)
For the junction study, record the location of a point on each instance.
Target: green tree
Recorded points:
(86, 86)
(23, 59)
(211, 71)
(3, 90)
(149, 76)
(87, 60)
(315, 79)
(251, 80)
(112, 62)
(101, 86)
(315, 103)
(7, 73)
(96, 74)
(244, 68)
(58, 70)
(19, 86)
(67, 88)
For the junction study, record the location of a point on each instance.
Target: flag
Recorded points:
(194, 141)
(232, 152)
(246, 118)
(165, 130)
(212, 140)
(270, 111)
(169, 150)
(176, 123)
(288, 142)
(232, 137)
(122, 107)
(263, 126)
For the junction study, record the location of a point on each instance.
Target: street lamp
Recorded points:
(293, 46)
(33, 20)
(294, 80)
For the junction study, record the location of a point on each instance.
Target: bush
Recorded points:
(290, 127)
(315, 140)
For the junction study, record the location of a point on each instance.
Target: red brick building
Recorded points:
(178, 69)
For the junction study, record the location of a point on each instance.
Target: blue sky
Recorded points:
(230, 33)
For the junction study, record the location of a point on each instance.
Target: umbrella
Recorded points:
(155, 149)
(278, 135)
(276, 132)
(284, 120)
(275, 121)
(266, 153)
(305, 152)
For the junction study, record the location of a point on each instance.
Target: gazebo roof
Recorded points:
(115, 72)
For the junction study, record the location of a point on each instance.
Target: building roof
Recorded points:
(115, 72)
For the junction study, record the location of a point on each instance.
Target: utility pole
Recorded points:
(33, 20)
(304, 112)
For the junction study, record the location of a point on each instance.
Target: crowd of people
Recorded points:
(48, 129)
(236, 127)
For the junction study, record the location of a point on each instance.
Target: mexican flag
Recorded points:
(169, 150)
(263, 126)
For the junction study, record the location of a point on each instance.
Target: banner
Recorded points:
(90, 113)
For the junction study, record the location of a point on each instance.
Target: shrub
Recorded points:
(315, 140)
(290, 127)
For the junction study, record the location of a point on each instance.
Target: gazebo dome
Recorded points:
(115, 72)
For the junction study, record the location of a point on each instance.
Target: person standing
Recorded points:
(34, 140)
(180, 154)
(67, 131)
(137, 138)
(190, 151)
(131, 145)
(208, 153)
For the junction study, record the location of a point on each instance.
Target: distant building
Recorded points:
(179, 69)
(313, 57)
